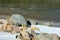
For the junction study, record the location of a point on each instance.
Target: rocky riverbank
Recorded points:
(28, 29)
(35, 21)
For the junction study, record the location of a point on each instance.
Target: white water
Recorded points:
(7, 36)
(43, 29)
(50, 30)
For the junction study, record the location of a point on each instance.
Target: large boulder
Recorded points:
(17, 19)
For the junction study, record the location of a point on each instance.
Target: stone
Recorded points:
(44, 36)
(17, 19)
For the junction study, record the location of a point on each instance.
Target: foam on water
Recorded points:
(7, 36)
(50, 30)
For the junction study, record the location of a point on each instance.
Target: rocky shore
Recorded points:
(28, 29)
(35, 21)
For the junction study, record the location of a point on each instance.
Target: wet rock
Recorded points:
(17, 19)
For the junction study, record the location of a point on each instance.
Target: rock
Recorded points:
(23, 36)
(45, 36)
(17, 19)
(3, 22)
(32, 22)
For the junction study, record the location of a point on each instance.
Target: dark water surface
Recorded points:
(45, 14)
(46, 10)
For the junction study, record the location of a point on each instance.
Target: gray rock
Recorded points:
(17, 19)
